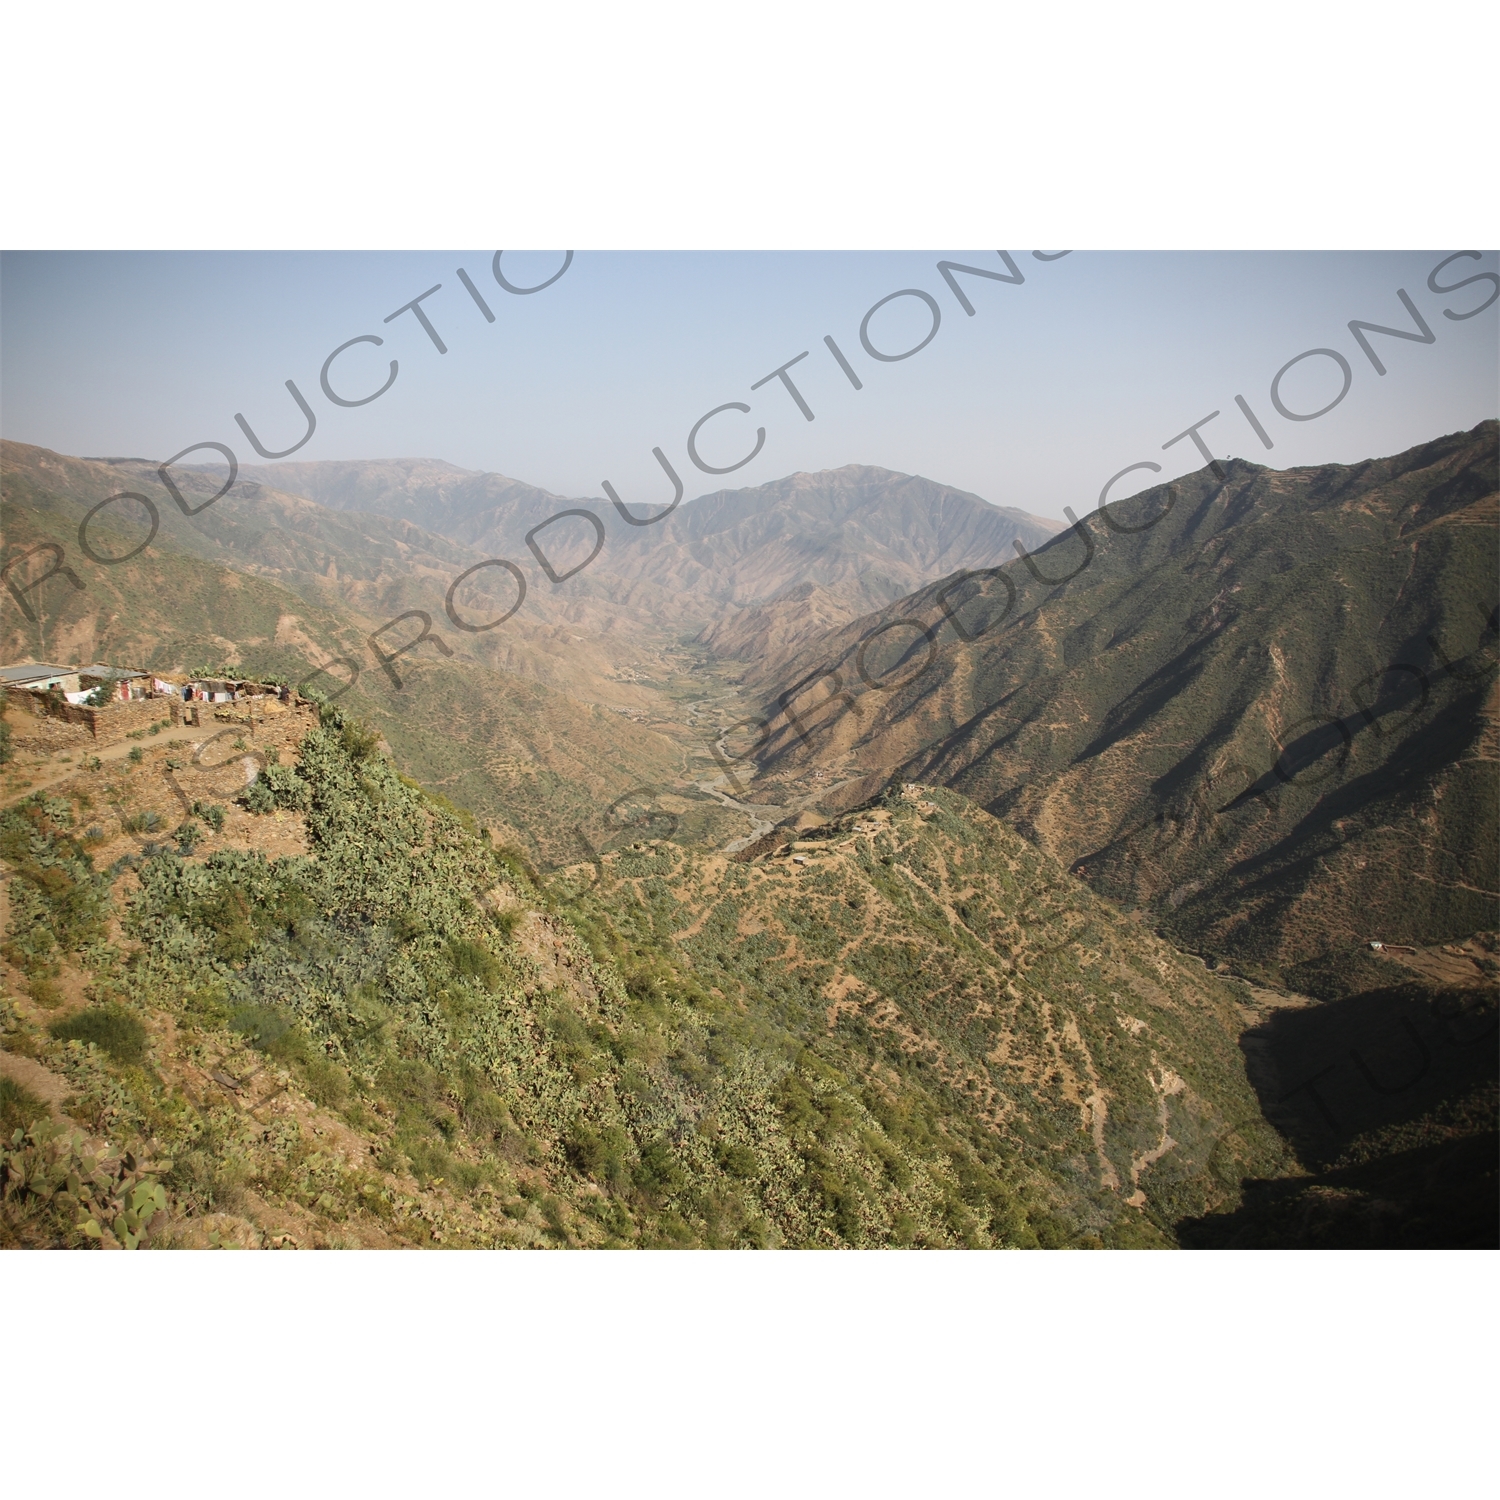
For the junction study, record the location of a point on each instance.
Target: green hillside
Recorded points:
(516, 751)
(960, 1012)
(399, 1037)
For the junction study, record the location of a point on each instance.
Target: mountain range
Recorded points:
(1254, 710)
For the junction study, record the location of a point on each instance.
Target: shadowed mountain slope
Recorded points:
(1270, 716)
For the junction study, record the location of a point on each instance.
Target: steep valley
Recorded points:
(1269, 718)
(796, 874)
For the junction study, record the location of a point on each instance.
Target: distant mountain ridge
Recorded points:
(428, 492)
(282, 586)
(858, 532)
(863, 535)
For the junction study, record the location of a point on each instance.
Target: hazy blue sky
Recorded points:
(1049, 389)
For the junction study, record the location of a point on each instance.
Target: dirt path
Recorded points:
(118, 751)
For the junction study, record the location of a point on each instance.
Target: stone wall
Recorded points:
(112, 722)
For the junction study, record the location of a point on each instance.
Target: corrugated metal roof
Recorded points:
(32, 671)
(100, 670)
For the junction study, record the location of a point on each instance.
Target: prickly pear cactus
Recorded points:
(111, 1198)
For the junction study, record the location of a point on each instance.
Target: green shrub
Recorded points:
(211, 813)
(552, 1212)
(513, 860)
(738, 1161)
(326, 1083)
(229, 915)
(659, 1171)
(45, 992)
(407, 926)
(258, 797)
(188, 833)
(136, 756)
(430, 1162)
(358, 740)
(111, 1028)
(485, 1112)
(366, 1017)
(146, 821)
(205, 1006)
(19, 1107)
(261, 1025)
(600, 1154)
(472, 961)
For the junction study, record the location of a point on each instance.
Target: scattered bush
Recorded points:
(257, 797)
(136, 756)
(111, 1028)
(260, 1025)
(45, 992)
(211, 813)
(19, 1108)
(471, 961)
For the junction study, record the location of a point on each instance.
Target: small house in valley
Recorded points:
(39, 677)
(100, 684)
(96, 702)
